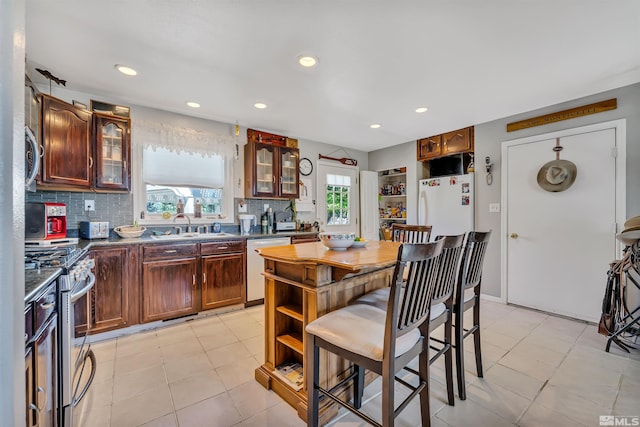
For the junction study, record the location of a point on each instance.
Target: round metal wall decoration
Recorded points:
(557, 175)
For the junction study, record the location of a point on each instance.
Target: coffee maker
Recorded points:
(45, 221)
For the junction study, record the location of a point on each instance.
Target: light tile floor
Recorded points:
(540, 370)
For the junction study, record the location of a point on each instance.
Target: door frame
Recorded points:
(620, 127)
(321, 198)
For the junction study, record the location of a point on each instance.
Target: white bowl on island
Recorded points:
(337, 241)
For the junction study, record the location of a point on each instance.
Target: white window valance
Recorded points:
(159, 135)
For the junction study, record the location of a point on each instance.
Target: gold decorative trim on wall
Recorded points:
(572, 113)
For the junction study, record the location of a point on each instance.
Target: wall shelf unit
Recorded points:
(392, 196)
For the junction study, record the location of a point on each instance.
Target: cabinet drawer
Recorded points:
(304, 239)
(44, 307)
(156, 252)
(222, 247)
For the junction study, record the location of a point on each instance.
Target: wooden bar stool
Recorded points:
(407, 233)
(441, 304)
(381, 341)
(469, 279)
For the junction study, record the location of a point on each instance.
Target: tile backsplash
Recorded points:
(118, 208)
(112, 207)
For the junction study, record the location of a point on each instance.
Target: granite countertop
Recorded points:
(36, 280)
(203, 238)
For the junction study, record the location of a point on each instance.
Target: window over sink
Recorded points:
(182, 166)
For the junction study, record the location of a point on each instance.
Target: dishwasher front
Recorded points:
(255, 267)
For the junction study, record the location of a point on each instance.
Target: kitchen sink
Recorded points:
(185, 236)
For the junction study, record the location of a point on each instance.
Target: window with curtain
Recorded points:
(183, 166)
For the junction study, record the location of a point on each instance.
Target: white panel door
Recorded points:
(560, 244)
(338, 197)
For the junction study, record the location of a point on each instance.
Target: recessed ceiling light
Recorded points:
(422, 110)
(307, 61)
(126, 70)
(193, 104)
(260, 105)
(375, 126)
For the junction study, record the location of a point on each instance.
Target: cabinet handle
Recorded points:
(90, 162)
(172, 251)
(221, 248)
(41, 150)
(42, 390)
(204, 277)
(194, 280)
(47, 305)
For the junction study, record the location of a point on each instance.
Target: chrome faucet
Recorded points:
(178, 229)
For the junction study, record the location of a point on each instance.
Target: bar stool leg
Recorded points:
(425, 403)
(476, 336)
(358, 386)
(313, 396)
(460, 357)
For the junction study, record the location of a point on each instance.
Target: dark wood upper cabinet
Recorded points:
(459, 141)
(429, 148)
(66, 142)
(113, 152)
(456, 142)
(271, 171)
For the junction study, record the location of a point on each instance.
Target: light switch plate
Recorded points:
(494, 207)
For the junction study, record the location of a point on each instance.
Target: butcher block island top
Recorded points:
(303, 282)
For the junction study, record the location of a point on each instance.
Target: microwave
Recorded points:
(45, 221)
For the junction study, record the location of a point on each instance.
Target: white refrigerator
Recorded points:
(447, 204)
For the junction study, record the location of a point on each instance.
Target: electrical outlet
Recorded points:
(89, 205)
(265, 206)
(242, 207)
(494, 207)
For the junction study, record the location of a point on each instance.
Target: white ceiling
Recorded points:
(468, 61)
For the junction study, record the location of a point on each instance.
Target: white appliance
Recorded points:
(255, 267)
(245, 223)
(447, 204)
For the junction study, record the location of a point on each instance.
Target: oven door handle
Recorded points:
(79, 294)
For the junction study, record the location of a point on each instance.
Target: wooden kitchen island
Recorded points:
(303, 282)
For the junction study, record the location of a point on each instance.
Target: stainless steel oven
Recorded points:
(77, 364)
(76, 361)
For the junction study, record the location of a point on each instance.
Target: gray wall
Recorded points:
(488, 142)
(403, 155)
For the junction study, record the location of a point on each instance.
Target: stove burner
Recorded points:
(64, 257)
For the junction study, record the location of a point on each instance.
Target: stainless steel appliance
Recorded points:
(285, 226)
(45, 221)
(77, 366)
(94, 229)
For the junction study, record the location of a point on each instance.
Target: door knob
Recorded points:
(514, 235)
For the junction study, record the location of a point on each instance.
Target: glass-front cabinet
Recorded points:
(289, 173)
(112, 152)
(271, 171)
(265, 170)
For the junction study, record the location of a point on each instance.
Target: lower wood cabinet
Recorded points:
(113, 302)
(223, 274)
(169, 281)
